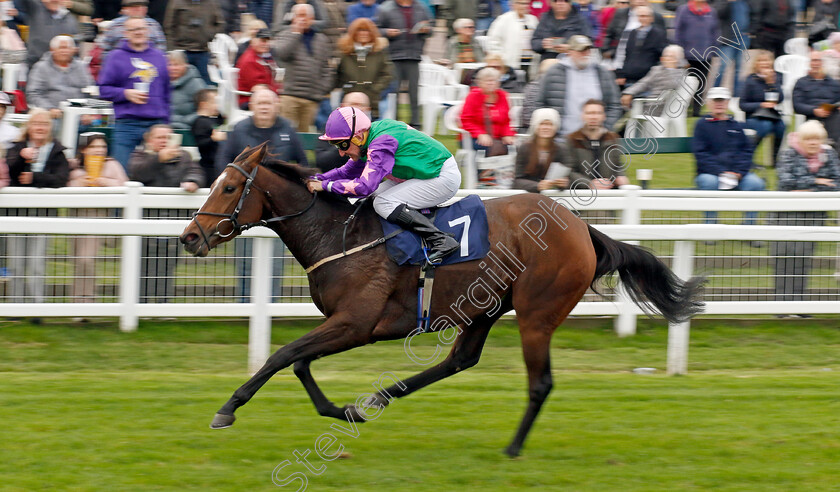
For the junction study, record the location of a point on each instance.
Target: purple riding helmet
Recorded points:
(344, 124)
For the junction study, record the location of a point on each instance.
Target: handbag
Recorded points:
(498, 147)
(767, 114)
(496, 169)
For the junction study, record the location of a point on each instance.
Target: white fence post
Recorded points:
(130, 261)
(678, 332)
(259, 331)
(625, 322)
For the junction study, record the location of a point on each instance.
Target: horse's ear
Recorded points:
(260, 151)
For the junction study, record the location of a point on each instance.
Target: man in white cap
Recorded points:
(723, 152)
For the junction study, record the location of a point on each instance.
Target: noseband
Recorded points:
(232, 218)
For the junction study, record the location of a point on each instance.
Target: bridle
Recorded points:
(237, 227)
(232, 218)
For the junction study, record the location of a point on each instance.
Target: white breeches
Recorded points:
(418, 193)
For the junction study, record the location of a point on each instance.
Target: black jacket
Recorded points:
(407, 45)
(766, 14)
(752, 95)
(282, 142)
(640, 58)
(56, 170)
(106, 9)
(551, 27)
(809, 93)
(202, 130)
(617, 25)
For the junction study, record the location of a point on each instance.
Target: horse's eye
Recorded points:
(229, 189)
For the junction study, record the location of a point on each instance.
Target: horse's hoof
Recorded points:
(512, 452)
(221, 421)
(376, 401)
(351, 412)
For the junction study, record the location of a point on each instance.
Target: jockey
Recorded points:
(404, 169)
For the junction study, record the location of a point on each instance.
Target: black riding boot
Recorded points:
(440, 243)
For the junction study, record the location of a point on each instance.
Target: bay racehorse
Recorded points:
(542, 260)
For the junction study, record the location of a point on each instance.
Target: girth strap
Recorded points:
(424, 296)
(357, 249)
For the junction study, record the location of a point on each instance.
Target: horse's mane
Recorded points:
(297, 174)
(293, 172)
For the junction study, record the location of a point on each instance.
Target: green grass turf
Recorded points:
(89, 408)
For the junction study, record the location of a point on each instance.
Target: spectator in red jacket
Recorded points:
(256, 66)
(486, 112)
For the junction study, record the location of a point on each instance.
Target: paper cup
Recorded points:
(93, 165)
(142, 87)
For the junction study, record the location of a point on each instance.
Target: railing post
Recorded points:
(625, 322)
(470, 171)
(678, 332)
(130, 261)
(259, 328)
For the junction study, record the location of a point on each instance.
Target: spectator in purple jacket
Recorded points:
(136, 79)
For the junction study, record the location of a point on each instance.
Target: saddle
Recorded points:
(466, 220)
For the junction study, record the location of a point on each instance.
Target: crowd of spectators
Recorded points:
(573, 67)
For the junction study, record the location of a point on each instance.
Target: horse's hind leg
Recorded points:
(323, 405)
(536, 350)
(465, 353)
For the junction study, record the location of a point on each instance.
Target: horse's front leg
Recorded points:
(323, 405)
(336, 334)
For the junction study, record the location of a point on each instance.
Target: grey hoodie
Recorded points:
(49, 84)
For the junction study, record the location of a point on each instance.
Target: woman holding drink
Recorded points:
(92, 168)
(762, 92)
(38, 161)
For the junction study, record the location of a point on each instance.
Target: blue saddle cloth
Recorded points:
(466, 219)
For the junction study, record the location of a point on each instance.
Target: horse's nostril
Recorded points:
(189, 238)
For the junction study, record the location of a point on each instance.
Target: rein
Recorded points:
(236, 227)
(232, 218)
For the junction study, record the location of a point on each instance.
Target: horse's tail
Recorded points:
(647, 279)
